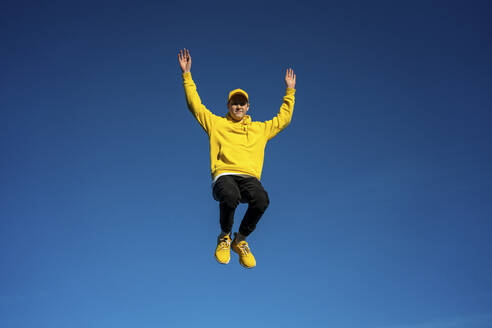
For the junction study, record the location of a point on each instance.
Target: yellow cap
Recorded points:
(237, 91)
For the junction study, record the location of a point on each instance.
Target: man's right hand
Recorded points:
(185, 60)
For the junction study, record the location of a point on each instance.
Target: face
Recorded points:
(238, 107)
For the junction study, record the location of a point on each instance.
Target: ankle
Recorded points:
(223, 234)
(239, 237)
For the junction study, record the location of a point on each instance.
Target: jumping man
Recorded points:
(237, 146)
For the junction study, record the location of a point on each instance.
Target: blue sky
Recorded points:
(380, 188)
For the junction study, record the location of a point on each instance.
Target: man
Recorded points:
(237, 147)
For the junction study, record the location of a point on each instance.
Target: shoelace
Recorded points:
(224, 243)
(244, 249)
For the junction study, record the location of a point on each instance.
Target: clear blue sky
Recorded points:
(380, 188)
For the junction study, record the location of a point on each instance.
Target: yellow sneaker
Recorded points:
(223, 250)
(246, 258)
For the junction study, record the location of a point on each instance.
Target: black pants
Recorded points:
(230, 190)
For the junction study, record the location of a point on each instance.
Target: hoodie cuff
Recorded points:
(290, 91)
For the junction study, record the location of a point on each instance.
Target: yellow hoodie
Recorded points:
(237, 147)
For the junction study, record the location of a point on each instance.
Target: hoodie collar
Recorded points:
(246, 119)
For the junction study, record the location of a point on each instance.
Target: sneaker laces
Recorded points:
(244, 248)
(224, 242)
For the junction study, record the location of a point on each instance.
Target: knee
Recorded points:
(260, 201)
(230, 198)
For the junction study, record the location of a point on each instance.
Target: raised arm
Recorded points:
(199, 111)
(284, 116)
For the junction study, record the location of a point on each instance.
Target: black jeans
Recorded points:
(229, 191)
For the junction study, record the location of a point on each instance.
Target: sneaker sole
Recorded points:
(247, 267)
(222, 262)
